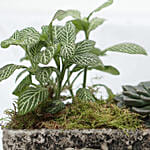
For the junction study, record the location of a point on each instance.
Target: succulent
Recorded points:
(135, 97)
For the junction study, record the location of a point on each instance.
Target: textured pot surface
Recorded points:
(104, 139)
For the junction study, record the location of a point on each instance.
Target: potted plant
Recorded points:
(40, 107)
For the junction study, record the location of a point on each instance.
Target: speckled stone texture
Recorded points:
(104, 139)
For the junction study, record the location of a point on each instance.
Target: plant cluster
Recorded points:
(136, 97)
(58, 43)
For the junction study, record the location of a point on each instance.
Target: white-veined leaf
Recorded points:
(56, 33)
(67, 50)
(106, 4)
(87, 59)
(85, 95)
(84, 47)
(26, 38)
(8, 70)
(23, 85)
(108, 69)
(94, 23)
(20, 74)
(129, 48)
(43, 74)
(31, 98)
(68, 34)
(61, 14)
(45, 56)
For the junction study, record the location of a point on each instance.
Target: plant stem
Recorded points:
(60, 79)
(85, 69)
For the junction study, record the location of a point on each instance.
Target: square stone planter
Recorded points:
(102, 139)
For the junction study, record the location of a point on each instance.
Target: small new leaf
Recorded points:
(8, 70)
(61, 14)
(129, 48)
(94, 23)
(30, 99)
(85, 95)
(106, 4)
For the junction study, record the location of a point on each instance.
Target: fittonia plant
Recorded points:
(58, 43)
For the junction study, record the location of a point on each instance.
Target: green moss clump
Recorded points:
(79, 115)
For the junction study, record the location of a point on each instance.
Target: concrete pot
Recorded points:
(103, 139)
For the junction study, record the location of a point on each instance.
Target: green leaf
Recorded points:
(142, 110)
(84, 47)
(61, 14)
(97, 52)
(20, 74)
(8, 70)
(94, 23)
(129, 48)
(45, 56)
(56, 106)
(77, 68)
(43, 74)
(68, 34)
(109, 91)
(67, 50)
(80, 24)
(56, 31)
(31, 98)
(23, 85)
(87, 59)
(106, 4)
(108, 69)
(26, 38)
(85, 95)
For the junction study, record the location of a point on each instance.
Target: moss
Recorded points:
(79, 115)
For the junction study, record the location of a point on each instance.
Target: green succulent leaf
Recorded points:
(135, 102)
(80, 24)
(23, 85)
(8, 70)
(84, 47)
(129, 48)
(67, 50)
(106, 4)
(87, 59)
(43, 74)
(56, 106)
(85, 95)
(94, 23)
(108, 69)
(61, 14)
(45, 56)
(26, 38)
(30, 99)
(68, 34)
(142, 110)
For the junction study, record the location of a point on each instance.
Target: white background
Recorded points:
(127, 21)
